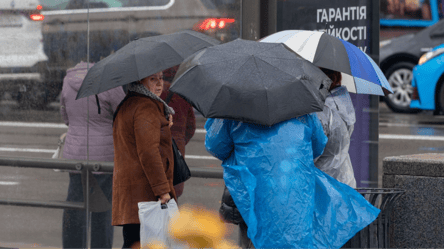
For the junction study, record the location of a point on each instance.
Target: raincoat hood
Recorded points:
(77, 74)
(344, 108)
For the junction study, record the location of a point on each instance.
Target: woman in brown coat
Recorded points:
(143, 160)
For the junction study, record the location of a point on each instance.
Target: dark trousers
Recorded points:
(74, 221)
(244, 241)
(131, 234)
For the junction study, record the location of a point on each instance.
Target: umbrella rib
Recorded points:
(275, 57)
(266, 92)
(225, 60)
(101, 77)
(238, 69)
(135, 59)
(102, 74)
(292, 76)
(279, 68)
(139, 75)
(266, 49)
(146, 41)
(174, 50)
(225, 52)
(229, 79)
(219, 61)
(190, 36)
(353, 77)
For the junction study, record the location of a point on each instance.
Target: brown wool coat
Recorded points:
(143, 158)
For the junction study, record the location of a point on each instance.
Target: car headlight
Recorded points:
(384, 43)
(430, 55)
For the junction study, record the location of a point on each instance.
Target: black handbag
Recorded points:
(181, 170)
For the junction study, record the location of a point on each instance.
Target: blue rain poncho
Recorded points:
(338, 120)
(284, 199)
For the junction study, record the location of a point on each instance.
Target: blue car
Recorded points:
(428, 81)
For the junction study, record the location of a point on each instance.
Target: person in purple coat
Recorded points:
(99, 145)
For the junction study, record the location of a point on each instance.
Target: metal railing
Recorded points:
(81, 166)
(376, 235)
(84, 167)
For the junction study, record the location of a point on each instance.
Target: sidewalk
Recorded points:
(21, 245)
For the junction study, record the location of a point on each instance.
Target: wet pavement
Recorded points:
(400, 134)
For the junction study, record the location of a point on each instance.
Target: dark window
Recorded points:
(83, 4)
(406, 9)
(141, 3)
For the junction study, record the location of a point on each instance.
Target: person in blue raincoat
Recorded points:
(338, 119)
(284, 199)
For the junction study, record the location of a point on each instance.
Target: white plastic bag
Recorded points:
(154, 221)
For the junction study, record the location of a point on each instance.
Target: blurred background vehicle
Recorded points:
(399, 17)
(22, 56)
(112, 24)
(398, 57)
(404, 40)
(60, 28)
(428, 82)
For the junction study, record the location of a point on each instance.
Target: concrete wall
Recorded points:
(417, 219)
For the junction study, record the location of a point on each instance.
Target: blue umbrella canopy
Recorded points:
(360, 74)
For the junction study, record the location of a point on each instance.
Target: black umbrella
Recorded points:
(141, 58)
(262, 83)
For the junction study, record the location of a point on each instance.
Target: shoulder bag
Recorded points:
(59, 152)
(181, 171)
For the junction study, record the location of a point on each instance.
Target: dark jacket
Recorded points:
(184, 121)
(143, 161)
(228, 210)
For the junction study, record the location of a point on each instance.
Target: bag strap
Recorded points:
(128, 95)
(168, 97)
(62, 139)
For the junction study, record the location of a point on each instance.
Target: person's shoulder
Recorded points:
(117, 91)
(307, 116)
(139, 107)
(339, 91)
(112, 95)
(218, 123)
(144, 105)
(141, 101)
(307, 119)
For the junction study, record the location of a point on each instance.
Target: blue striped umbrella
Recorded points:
(360, 74)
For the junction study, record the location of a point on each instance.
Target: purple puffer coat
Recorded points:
(74, 113)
